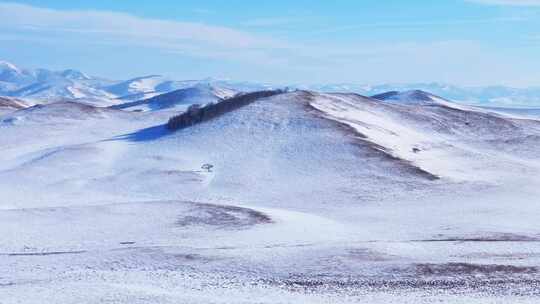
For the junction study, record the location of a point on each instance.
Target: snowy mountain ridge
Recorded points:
(45, 86)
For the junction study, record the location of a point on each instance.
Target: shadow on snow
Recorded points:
(146, 134)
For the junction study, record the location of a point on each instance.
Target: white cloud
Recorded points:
(419, 24)
(509, 2)
(259, 57)
(125, 27)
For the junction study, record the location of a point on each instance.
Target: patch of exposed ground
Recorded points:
(468, 269)
(222, 216)
(42, 253)
(496, 286)
(493, 237)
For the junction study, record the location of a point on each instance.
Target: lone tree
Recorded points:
(207, 167)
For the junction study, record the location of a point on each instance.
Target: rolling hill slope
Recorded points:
(309, 194)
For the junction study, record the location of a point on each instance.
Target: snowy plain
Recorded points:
(312, 198)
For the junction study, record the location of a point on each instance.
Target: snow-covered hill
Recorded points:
(140, 87)
(406, 196)
(302, 195)
(180, 99)
(415, 97)
(8, 104)
(421, 98)
(439, 136)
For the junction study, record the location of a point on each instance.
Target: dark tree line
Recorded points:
(197, 114)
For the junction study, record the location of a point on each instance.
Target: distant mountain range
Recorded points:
(43, 86)
(500, 96)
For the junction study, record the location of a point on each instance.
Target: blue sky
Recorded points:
(464, 42)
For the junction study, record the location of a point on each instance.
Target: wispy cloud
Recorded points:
(315, 59)
(508, 2)
(422, 24)
(126, 29)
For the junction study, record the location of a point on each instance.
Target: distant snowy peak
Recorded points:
(198, 94)
(221, 92)
(7, 66)
(11, 73)
(75, 75)
(144, 84)
(411, 97)
(146, 87)
(46, 86)
(422, 98)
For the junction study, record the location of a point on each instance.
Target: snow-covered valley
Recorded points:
(310, 197)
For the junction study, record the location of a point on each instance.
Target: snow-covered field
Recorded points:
(312, 198)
